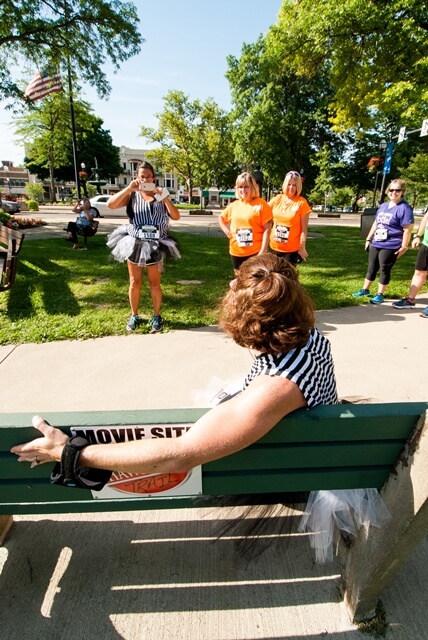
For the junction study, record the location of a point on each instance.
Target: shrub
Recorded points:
(5, 217)
(33, 205)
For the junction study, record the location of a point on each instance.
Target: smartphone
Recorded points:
(147, 186)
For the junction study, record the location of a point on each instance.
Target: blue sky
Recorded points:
(185, 48)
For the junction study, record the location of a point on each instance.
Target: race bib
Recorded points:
(244, 237)
(381, 235)
(149, 232)
(281, 233)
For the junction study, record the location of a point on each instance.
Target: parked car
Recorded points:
(99, 203)
(10, 207)
(347, 209)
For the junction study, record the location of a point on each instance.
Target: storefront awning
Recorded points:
(227, 194)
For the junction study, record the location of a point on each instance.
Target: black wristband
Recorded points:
(69, 474)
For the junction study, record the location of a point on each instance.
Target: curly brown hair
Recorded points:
(267, 308)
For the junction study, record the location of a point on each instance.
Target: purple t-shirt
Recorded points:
(389, 224)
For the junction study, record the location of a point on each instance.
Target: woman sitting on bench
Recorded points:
(83, 224)
(266, 310)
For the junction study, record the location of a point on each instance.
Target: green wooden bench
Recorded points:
(10, 245)
(330, 447)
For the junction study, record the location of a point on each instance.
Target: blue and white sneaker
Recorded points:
(156, 324)
(133, 323)
(377, 299)
(361, 293)
(424, 313)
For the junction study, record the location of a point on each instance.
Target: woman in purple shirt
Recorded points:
(387, 240)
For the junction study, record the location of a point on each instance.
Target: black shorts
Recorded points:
(293, 257)
(156, 256)
(238, 260)
(422, 259)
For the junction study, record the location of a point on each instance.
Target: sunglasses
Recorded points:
(396, 190)
(294, 174)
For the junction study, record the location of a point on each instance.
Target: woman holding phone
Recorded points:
(144, 242)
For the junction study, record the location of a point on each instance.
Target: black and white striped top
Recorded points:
(149, 213)
(310, 367)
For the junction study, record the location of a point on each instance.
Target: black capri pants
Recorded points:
(382, 261)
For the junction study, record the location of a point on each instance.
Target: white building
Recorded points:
(130, 159)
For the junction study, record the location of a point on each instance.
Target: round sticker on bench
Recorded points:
(146, 484)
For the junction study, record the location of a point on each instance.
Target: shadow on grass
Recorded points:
(50, 282)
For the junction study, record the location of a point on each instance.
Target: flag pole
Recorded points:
(73, 133)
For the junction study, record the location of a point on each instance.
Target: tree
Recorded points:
(324, 181)
(282, 119)
(375, 54)
(195, 141)
(353, 170)
(35, 191)
(81, 33)
(216, 163)
(416, 177)
(46, 130)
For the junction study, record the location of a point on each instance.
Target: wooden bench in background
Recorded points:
(10, 245)
(384, 446)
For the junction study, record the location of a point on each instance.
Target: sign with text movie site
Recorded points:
(139, 485)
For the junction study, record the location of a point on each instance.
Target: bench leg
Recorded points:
(370, 563)
(5, 524)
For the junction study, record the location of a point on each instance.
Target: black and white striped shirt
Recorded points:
(150, 213)
(310, 367)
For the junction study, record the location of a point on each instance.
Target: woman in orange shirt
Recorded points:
(290, 220)
(247, 221)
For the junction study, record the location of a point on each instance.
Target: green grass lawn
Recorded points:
(60, 294)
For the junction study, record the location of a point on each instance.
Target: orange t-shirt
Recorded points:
(246, 221)
(287, 222)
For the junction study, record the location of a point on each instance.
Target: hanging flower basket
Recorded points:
(375, 163)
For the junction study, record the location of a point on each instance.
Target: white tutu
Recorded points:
(348, 510)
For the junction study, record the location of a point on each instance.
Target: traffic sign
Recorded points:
(402, 134)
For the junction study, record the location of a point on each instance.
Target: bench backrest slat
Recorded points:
(329, 447)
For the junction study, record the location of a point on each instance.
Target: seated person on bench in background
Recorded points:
(83, 222)
(266, 310)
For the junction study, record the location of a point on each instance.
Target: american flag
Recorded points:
(42, 84)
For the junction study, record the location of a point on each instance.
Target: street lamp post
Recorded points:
(258, 175)
(386, 169)
(83, 176)
(382, 147)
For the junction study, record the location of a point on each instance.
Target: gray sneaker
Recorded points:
(405, 303)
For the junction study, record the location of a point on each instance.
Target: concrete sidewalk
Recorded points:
(378, 352)
(156, 575)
